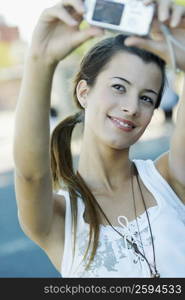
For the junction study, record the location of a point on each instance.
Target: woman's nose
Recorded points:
(130, 108)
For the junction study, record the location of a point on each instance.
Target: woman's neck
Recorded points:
(103, 168)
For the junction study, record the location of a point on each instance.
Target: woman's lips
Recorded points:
(122, 124)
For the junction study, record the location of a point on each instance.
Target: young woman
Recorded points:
(113, 217)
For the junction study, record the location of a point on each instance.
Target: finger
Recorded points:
(147, 2)
(138, 42)
(76, 4)
(164, 10)
(149, 45)
(177, 13)
(157, 36)
(85, 34)
(78, 17)
(155, 28)
(60, 14)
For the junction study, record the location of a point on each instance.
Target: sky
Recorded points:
(23, 13)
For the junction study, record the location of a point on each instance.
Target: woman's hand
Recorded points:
(168, 11)
(174, 17)
(57, 32)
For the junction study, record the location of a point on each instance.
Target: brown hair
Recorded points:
(61, 157)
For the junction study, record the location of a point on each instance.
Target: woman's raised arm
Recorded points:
(56, 34)
(171, 165)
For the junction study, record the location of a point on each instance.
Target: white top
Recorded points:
(114, 256)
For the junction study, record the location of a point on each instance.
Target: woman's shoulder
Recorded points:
(162, 166)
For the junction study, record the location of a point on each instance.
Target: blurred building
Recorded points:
(12, 53)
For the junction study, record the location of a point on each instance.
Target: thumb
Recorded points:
(139, 42)
(153, 46)
(82, 36)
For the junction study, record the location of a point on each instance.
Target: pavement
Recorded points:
(19, 256)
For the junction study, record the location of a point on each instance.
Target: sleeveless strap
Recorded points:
(157, 185)
(68, 255)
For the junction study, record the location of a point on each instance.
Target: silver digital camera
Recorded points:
(128, 16)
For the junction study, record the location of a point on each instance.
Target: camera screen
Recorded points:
(108, 12)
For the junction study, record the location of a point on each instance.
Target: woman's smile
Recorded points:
(122, 124)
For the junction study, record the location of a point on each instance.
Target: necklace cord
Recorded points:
(133, 244)
(141, 193)
(135, 210)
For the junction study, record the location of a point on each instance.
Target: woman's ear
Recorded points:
(82, 91)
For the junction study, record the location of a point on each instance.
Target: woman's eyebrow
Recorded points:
(121, 78)
(151, 91)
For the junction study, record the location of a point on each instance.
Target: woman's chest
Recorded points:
(129, 202)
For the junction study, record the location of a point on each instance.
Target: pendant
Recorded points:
(156, 275)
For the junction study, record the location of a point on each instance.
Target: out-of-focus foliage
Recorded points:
(6, 58)
(180, 2)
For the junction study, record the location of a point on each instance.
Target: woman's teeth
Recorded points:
(126, 125)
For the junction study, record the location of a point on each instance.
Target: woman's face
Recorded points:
(121, 103)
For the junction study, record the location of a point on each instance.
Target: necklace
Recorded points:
(153, 273)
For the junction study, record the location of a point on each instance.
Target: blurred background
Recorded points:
(19, 256)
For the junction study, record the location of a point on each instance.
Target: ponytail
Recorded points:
(61, 156)
(63, 173)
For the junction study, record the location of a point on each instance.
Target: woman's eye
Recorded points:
(119, 87)
(147, 99)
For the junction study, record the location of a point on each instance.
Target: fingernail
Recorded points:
(163, 17)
